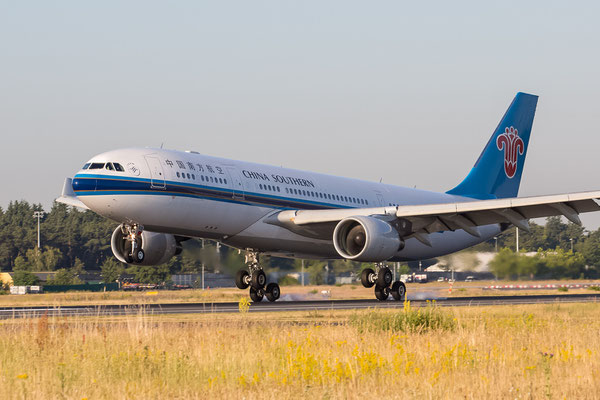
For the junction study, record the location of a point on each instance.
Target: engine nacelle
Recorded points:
(366, 239)
(158, 247)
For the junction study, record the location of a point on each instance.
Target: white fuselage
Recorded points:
(190, 194)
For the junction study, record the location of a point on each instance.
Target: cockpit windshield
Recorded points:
(110, 166)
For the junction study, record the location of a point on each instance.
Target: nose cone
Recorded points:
(83, 184)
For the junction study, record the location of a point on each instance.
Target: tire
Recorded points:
(240, 279)
(382, 293)
(259, 279)
(256, 295)
(273, 291)
(399, 291)
(385, 277)
(139, 256)
(364, 277)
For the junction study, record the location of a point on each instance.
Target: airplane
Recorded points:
(163, 197)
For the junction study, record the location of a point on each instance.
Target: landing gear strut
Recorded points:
(132, 251)
(382, 279)
(256, 279)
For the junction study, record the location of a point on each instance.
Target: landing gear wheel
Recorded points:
(241, 279)
(365, 277)
(256, 295)
(139, 256)
(259, 279)
(273, 291)
(384, 277)
(398, 291)
(382, 293)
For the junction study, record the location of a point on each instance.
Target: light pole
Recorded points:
(496, 246)
(203, 264)
(38, 215)
(571, 240)
(302, 273)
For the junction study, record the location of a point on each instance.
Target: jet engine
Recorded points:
(366, 239)
(158, 247)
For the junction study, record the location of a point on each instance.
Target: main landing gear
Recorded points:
(132, 250)
(382, 279)
(256, 279)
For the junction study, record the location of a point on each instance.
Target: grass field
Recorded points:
(429, 290)
(518, 352)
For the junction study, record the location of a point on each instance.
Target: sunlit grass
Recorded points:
(420, 320)
(544, 351)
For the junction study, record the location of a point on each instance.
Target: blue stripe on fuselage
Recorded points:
(97, 185)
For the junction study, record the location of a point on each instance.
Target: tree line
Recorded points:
(74, 242)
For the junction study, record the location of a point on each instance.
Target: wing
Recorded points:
(420, 220)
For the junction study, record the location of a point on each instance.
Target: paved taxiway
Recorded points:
(204, 308)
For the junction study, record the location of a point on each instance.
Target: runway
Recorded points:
(286, 306)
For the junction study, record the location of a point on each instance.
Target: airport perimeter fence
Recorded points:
(87, 287)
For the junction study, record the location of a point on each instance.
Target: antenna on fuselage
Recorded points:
(161, 145)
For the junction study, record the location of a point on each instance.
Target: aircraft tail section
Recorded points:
(497, 172)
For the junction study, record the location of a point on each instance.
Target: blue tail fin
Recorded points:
(497, 172)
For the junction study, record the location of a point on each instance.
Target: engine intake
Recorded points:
(158, 247)
(366, 239)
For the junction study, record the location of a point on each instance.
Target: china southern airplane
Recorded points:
(163, 197)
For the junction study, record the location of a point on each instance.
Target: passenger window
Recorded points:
(178, 174)
(212, 180)
(119, 167)
(225, 180)
(193, 177)
(188, 175)
(86, 166)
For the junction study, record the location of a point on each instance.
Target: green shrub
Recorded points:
(288, 281)
(563, 289)
(430, 318)
(24, 278)
(595, 288)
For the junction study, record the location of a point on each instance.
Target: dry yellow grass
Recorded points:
(522, 352)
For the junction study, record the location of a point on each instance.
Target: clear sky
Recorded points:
(404, 91)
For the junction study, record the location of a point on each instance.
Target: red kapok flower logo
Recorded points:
(513, 147)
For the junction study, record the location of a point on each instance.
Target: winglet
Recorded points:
(69, 197)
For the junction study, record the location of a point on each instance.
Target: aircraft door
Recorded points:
(380, 199)
(236, 183)
(157, 175)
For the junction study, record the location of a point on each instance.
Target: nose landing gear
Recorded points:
(256, 279)
(382, 279)
(132, 250)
